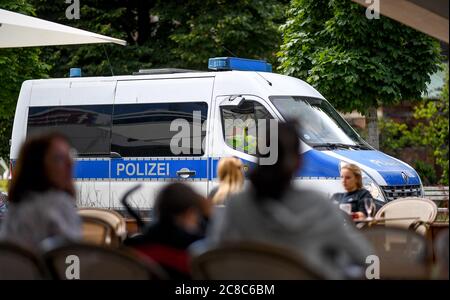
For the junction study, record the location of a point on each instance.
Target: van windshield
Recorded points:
(321, 124)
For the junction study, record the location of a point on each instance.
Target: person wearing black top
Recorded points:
(355, 193)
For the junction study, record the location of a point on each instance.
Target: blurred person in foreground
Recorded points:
(178, 210)
(273, 211)
(42, 194)
(3, 204)
(231, 179)
(442, 255)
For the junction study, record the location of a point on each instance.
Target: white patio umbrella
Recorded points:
(18, 30)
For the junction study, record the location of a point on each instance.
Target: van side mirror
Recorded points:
(239, 104)
(234, 100)
(245, 107)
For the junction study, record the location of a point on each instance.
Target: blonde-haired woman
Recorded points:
(351, 178)
(231, 179)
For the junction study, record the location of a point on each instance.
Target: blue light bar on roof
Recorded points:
(75, 72)
(240, 64)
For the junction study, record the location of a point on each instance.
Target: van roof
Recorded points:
(135, 76)
(227, 82)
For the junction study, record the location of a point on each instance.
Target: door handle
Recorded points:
(185, 173)
(115, 155)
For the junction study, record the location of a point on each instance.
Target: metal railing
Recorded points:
(438, 194)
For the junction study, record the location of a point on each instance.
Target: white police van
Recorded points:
(121, 129)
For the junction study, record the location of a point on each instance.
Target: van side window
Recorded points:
(88, 127)
(143, 130)
(240, 125)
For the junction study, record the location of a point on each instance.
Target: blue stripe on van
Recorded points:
(91, 169)
(317, 164)
(314, 164)
(138, 168)
(396, 178)
(156, 169)
(389, 168)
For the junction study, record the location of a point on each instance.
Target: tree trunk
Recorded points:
(372, 126)
(144, 27)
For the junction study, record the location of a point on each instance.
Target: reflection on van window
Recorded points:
(240, 125)
(321, 123)
(88, 127)
(141, 130)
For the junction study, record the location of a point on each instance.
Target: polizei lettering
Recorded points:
(142, 169)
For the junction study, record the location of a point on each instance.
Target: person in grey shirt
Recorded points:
(271, 210)
(42, 195)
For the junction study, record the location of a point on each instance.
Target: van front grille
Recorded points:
(393, 192)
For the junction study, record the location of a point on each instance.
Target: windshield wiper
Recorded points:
(364, 146)
(336, 146)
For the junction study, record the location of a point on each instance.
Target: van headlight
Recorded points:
(370, 185)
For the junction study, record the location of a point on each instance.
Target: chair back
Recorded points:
(421, 209)
(402, 253)
(97, 231)
(99, 263)
(17, 263)
(109, 224)
(251, 261)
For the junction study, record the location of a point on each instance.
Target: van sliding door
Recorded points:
(87, 116)
(158, 135)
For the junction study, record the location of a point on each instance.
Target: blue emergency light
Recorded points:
(75, 72)
(240, 64)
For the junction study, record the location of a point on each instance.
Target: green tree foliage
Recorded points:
(225, 28)
(16, 66)
(356, 63)
(165, 33)
(160, 33)
(434, 128)
(426, 172)
(431, 131)
(119, 19)
(395, 137)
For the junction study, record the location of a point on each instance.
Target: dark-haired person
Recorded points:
(271, 210)
(178, 211)
(41, 196)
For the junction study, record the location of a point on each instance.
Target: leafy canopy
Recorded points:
(355, 62)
